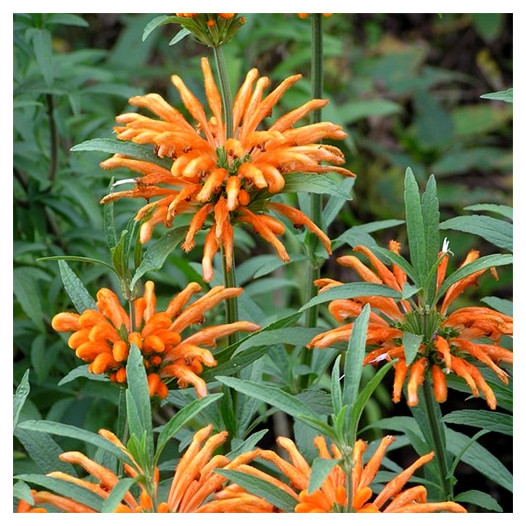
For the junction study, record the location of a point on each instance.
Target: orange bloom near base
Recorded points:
(103, 337)
(223, 180)
(453, 345)
(195, 487)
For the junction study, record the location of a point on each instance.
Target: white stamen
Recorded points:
(380, 358)
(123, 181)
(445, 245)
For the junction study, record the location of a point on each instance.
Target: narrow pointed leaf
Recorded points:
(321, 467)
(354, 357)
(116, 495)
(415, 227)
(20, 397)
(411, 343)
(78, 294)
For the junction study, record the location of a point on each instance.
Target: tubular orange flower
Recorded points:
(195, 487)
(224, 180)
(451, 342)
(103, 337)
(332, 495)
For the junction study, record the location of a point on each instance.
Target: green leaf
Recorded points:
(354, 356)
(479, 458)
(415, 227)
(335, 204)
(271, 395)
(180, 419)
(262, 488)
(82, 371)
(81, 259)
(504, 210)
(433, 124)
(362, 109)
(490, 420)
(180, 35)
(496, 231)
(320, 469)
(66, 19)
(397, 260)
(19, 397)
(23, 492)
(431, 217)
(411, 343)
(67, 489)
(506, 96)
(314, 184)
(352, 290)
(157, 22)
(460, 454)
(287, 335)
(78, 294)
(500, 305)
(142, 152)
(43, 49)
(65, 430)
(26, 290)
(479, 498)
(42, 449)
(138, 392)
(364, 395)
(336, 391)
(156, 255)
(116, 495)
(485, 262)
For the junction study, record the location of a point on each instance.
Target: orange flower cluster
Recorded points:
(195, 487)
(220, 179)
(103, 337)
(332, 495)
(306, 15)
(451, 341)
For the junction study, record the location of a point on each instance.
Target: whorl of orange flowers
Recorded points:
(103, 337)
(195, 487)
(451, 342)
(222, 180)
(332, 495)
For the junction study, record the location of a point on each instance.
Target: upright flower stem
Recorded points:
(313, 271)
(438, 443)
(229, 275)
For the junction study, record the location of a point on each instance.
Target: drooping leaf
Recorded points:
(180, 35)
(490, 420)
(314, 184)
(141, 152)
(56, 428)
(181, 418)
(66, 489)
(496, 231)
(78, 294)
(479, 498)
(116, 495)
(320, 469)
(82, 371)
(485, 262)
(503, 210)
(157, 22)
(156, 254)
(20, 397)
(352, 290)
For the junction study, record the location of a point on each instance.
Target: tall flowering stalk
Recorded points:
(450, 342)
(224, 179)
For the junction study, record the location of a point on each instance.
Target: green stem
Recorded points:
(229, 280)
(122, 424)
(438, 443)
(226, 94)
(53, 132)
(229, 275)
(315, 213)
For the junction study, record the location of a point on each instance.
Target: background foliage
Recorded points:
(397, 83)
